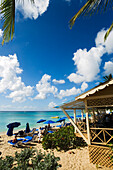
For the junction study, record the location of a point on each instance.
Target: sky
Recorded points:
(47, 63)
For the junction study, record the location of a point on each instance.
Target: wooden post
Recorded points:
(82, 114)
(73, 123)
(75, 118)
(94, 116)
(87, 123)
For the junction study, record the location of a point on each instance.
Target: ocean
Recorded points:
(29, 116)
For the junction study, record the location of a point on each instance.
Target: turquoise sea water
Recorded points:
(28, 116)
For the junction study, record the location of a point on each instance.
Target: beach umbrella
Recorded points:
(71, 117)
(41, 120)
(27, 128)
(49, 122)
(58, 125)
(14, 124)
(60, 120)
(66, 117)
(11, 126)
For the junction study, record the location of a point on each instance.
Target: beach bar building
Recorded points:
(98, 132)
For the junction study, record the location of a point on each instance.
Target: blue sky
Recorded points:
(47, 64)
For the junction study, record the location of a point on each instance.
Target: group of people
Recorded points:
(41, 132)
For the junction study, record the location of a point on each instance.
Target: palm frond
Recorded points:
(7, 10)
(8, 18)
(108, 32)
(90, 8)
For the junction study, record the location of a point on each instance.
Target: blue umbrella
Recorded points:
(64, 117)
(49, 122)
(60, 120)
(11, 126)
(14, 124)
(78, 115)
(72, 117)
(27, 128)
(41, 120)
(58, 125)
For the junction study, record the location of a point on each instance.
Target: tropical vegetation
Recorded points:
(107, 78)
(30, 159)
(91, 7)
(63, 139)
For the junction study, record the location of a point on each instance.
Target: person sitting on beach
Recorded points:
(15, 139)
(39, 134)
(48, 127)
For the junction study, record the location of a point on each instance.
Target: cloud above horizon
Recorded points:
(9, 79)
(108, 67)
(58, 81)
(51, 104)
(73, 91)
(88, 62)
(44, 87)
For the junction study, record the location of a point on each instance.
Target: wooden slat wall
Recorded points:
(100, 155)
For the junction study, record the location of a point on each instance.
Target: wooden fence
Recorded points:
(101, 155)
(102, 136)
(81, 126)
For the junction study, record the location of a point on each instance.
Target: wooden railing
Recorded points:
(82, 126)
(102, 136)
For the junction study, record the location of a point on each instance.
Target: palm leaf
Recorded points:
(108, 32)
(90, 8)
(8, 18)
(7, 10)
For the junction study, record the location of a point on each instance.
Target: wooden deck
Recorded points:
(78, 135)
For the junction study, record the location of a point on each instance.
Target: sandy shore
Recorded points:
(79, 160)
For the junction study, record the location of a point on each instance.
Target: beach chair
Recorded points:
(23, 141)
(24, 134)
(17, 143)
(50, 131)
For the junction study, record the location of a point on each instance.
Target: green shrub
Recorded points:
(63, 139)
(7, 163)
(45, 162)
(30, 159)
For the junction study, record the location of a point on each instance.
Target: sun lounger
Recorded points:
(17, 143)
(50, 131)
(23, 141)
(23, 134)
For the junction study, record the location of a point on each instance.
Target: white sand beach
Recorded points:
(78, 160)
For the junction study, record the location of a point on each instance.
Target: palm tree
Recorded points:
(107, 78)
(91, 7)
(7, 11)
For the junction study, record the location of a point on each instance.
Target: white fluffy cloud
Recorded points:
(9, 69)
(32, 10)
(58, 81)
(73, 91)
(108, 44)
(68, 92)
(84, 86)
(1, 33)
(88, 62)
(44, 87)
(108, 67)
(51, 104)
